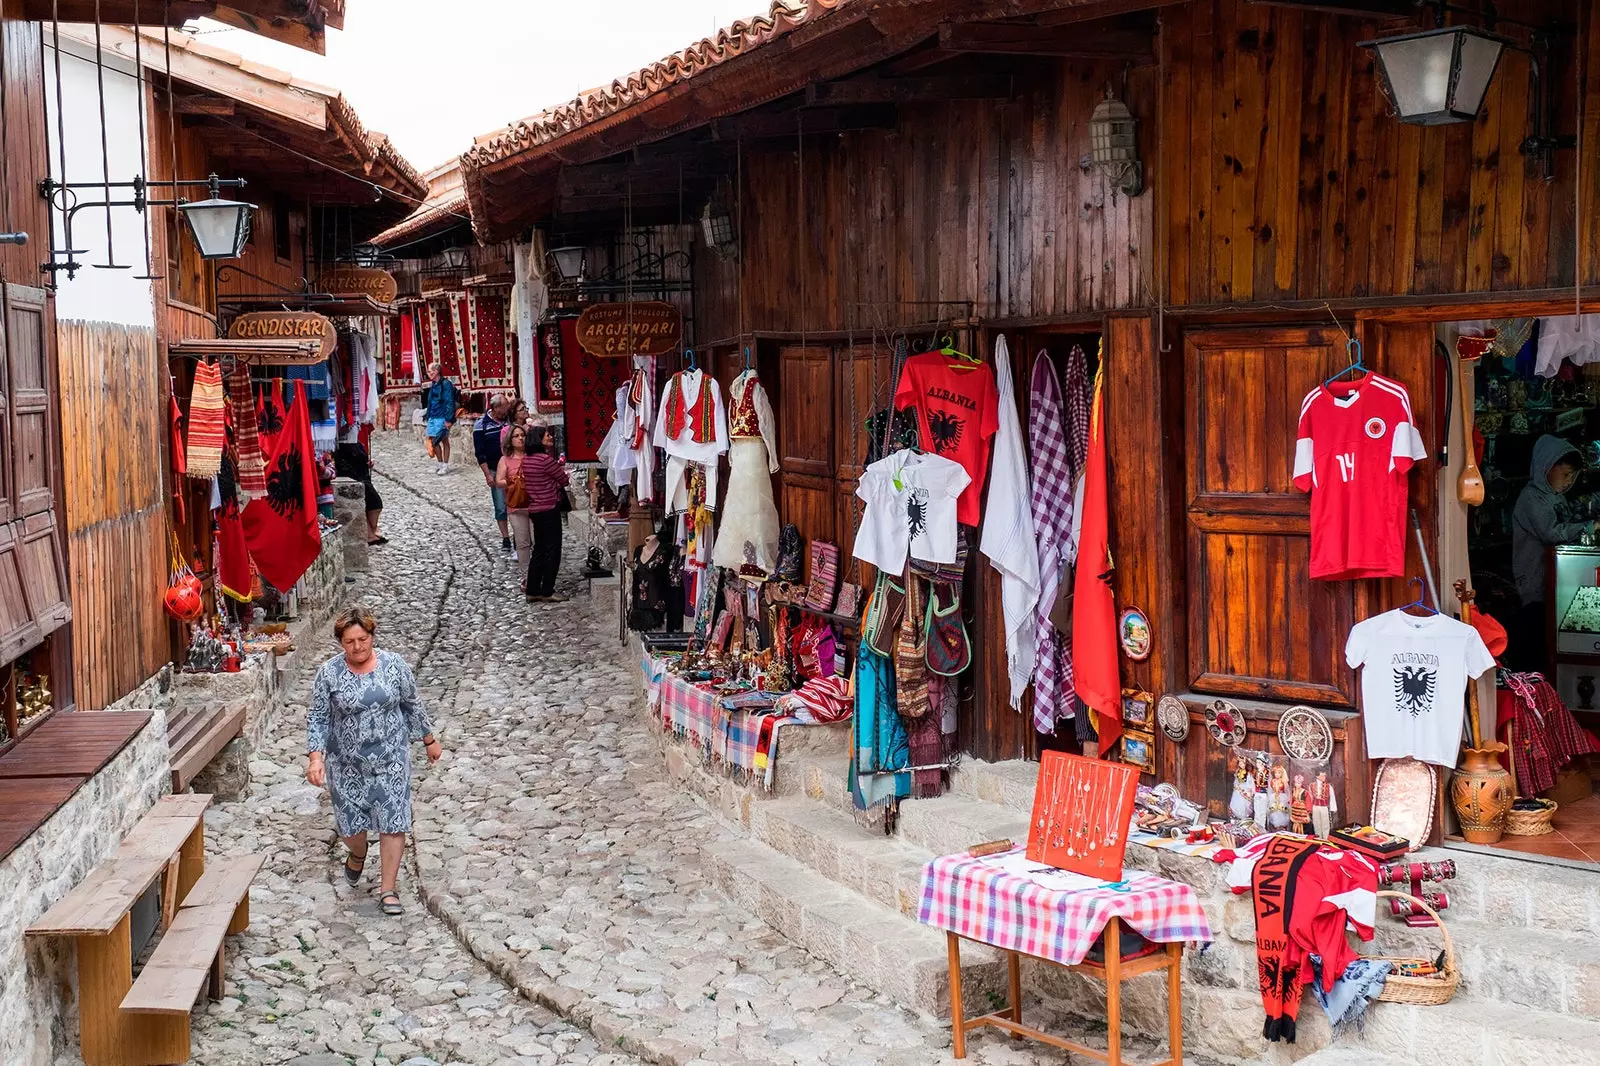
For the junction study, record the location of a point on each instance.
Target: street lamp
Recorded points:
(569, 262)
(455, 258)
(1114, 145)
(220, 227)
(1437, 76)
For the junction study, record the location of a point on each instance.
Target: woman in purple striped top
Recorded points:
(545, 477)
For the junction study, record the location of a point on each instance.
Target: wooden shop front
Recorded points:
(931, 175)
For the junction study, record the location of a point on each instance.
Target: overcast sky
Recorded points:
(433, 76)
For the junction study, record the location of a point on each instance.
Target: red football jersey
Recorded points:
(1357, 441)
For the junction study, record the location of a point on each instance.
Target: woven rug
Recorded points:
(252, 472)
(440, 332)
(488, 355)
(206, 431)
(589, 398)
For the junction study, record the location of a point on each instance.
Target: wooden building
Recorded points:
(321, 184)
(928, 167)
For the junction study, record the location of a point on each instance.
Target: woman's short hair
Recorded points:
(354, 616)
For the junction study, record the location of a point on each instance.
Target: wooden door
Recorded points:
(805, 441)
(1258, 626)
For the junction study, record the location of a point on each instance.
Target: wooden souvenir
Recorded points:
(1081, 811)
(1137, 708)
(1139, 750)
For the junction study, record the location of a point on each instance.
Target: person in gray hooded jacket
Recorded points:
(1541, 518)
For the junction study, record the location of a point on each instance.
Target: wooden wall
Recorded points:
(113, 391)
(981, 201)
(1287, 178)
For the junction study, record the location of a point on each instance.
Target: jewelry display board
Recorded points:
(1081, 810)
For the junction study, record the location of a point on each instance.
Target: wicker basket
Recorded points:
(1532, 823)
(1422, 991)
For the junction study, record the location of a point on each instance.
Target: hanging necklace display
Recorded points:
(1305, 734)
(1081, 809)
(1173, 716)
(1225, 724)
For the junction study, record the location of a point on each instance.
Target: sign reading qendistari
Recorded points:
(620, 329)
(287, 326)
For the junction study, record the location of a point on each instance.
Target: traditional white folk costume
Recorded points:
(749, 515)
(691, 427)
(627, 447)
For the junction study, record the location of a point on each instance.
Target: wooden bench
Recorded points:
(195, 738)
(145, 1022)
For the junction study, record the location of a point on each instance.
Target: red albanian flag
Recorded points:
(281, 527)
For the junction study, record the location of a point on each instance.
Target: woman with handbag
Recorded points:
(509, 479)
(544, 478)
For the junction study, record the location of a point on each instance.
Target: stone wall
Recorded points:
(38, 1001)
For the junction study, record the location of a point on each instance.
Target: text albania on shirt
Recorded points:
(1413, 680)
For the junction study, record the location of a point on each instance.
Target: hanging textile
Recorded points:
(880, 741)
(488, 348)
(252, 465)
(440, 322)
(551, 343)
(281, 528)
(180, 463)
(1052, 522)
(1008, 535)
(1095, 670)
(206, 433)
(589, 387)
(270, 416)
(233, 554)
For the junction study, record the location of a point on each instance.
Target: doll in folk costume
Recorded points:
(1299, 805)
(1242, 804)
(1262, 803)
(1324, 805)
(1278, 809)
(747, 538)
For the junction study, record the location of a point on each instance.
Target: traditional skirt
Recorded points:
(749, 514)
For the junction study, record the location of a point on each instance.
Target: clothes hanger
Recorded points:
(1422, 590)
(946, 348)
(688, 358)
(1353, 347)
(749, 364)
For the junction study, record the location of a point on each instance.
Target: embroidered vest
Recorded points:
(742, 418)
(701, 419)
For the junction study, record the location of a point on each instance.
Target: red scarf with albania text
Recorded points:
(281, 527)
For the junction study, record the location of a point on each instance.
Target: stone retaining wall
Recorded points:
(38, 997)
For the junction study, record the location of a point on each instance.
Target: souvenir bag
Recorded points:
(949, 651)
(791, 565)
(911, 656)
(824, 576)
(881, 630)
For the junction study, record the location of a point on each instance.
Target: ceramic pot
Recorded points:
(1481, 792)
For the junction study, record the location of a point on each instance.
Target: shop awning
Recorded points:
(322, 303)
(250, 350)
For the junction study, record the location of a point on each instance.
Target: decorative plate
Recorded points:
(1304, 734)
(1173, 717)
(1225, 724)
(1133, 630)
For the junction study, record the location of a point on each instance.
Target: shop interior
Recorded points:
(1532, 541)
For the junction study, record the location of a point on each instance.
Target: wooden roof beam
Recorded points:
(201, 104)
(1062, 43)
(304, 33)
(764, 125)
(908, 90)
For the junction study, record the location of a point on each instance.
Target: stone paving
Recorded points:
(564, 915)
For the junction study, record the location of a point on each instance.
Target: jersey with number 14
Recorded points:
(1357, 441)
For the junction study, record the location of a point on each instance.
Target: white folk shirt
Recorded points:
(911, 505)
(1414, 675)
(688, 383)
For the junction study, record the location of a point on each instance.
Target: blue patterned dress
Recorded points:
(364, 724)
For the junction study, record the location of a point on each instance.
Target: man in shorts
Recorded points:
(440, 400)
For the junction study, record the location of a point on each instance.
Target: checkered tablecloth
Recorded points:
(698, 714)
(1008, 902)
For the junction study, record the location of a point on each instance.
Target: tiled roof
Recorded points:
(744, 36)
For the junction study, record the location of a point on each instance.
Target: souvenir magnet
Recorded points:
(1133, 631)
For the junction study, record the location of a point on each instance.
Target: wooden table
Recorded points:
(1113, 972)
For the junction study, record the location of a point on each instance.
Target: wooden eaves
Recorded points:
(301, 23)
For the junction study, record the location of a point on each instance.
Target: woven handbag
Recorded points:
(881, 632)
(949, 650)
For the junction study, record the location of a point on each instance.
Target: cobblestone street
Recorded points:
(549, 842)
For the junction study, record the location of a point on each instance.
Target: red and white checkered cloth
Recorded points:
(987, 901)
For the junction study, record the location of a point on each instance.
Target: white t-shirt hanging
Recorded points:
(911, 505)
(1413, 682)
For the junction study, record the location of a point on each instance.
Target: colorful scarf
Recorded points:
(1052, 523)
(879, 736)
(206, 433)
(252, 470)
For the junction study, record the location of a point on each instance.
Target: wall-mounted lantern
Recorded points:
(716, 222)
(1114, 145)
(569, 262)
(1437, 76)
(221, 228)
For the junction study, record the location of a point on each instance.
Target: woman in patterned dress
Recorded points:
(364, 712)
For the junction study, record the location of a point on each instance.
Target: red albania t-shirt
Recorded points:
(958, 412)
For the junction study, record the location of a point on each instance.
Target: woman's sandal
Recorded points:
(389, 902)
(353, 876)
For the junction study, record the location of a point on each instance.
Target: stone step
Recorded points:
(877, 946)
(885, 870)
(1007, 784)
(953, 823)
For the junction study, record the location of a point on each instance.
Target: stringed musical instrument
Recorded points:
(1469, 484)
(1468, 597)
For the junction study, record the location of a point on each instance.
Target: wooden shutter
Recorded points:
(33, 579)
(805, 439)
(1258, 625)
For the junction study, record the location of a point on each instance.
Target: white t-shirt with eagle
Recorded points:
(911, 505)
(1413, 681)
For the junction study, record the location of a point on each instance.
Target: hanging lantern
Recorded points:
(220, 227)
(717, 224)
(1437, 76)
(569, 262)
(1114, 145)
(455, 258)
